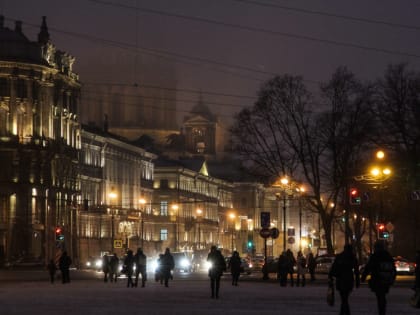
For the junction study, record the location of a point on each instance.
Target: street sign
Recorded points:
(265, 233)
(291, 240)
(265, 220)
(118, 243)
(275, 233)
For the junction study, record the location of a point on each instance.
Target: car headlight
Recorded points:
(154, 265)
(184, 263)
(88, 264)
(98, 263)
(208, 264)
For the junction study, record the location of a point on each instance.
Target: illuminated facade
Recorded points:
(39, 143)
(114, 177)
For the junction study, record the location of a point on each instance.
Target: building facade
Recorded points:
(39, 143)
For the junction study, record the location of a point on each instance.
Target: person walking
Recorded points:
(291, 262)
(128, 268)
(381, 269)
(235, 267)
(283, 269)
(52, 268)
(64, 265)
(301, 269)
(217, 266)
(345, 269)
(167, 264)
(105, 267)
(311, 263)
(140, 261)
(113, 268)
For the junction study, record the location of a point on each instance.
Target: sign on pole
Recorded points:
(118, 243)
(265, 220)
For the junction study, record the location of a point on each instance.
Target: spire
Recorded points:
(44, 36)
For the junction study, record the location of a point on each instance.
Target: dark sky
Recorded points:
(224, 47)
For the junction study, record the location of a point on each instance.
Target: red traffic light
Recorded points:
(58, 230)
(353, 192)
(381, 227)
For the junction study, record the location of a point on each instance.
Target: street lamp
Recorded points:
(301, 190)
(142, 202)
(232, 216)
(112, 196)
(199, 213)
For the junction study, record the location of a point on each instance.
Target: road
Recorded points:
(29, 292)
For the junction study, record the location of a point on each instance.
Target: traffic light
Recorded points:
(250, 244)
(383, 234)
(59, 236)
(354, 197)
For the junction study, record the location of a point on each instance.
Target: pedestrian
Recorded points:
(158, 270)
(167, 264)
(64, 265)
(217, 266)
(114, 264)
(235, 267)
(283, 269)
(52, 268)
(345, 269)
(128, 268)
(381, 269)
(291, 262)
(105, 267)
(415, 299)
(311, 263)
(301, 269)
(140, 261)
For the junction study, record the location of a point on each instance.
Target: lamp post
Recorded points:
(301, 190)
(284, 181)
(232, 217)
(142, 202)
(175, 209)
(199, 213)
(113, 196)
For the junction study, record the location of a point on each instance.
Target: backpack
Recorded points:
(386, 273)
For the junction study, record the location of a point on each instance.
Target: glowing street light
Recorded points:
(112, 196)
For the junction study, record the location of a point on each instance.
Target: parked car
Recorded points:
(404, 266)
(246, 267)
(324, 263)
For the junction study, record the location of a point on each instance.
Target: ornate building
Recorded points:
(39, 143)
(116, 179)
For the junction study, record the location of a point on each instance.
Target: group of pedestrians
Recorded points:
(380, 267)
(64, 263)
(286, 268)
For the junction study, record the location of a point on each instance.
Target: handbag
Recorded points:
(330, 293)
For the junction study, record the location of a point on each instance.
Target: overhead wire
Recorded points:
(261, 30)
(331, 15)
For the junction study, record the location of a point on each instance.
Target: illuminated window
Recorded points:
(164, 208)
(163, 234)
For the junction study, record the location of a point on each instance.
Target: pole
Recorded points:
(112, 229)
(232, 241)
(199, 235)
(300, 224)
(142, 230)
(265, 268)
(284, 222)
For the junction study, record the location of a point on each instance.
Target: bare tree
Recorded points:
(288, 132)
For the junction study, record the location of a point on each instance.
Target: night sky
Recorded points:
(223, 48)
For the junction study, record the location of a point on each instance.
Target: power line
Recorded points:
(332, 15)
(148, 86)
(262, 30)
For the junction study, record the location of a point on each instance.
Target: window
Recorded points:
(163, 234)
(163, 183)
(164, 208)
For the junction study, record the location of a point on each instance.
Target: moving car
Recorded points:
(182, 262)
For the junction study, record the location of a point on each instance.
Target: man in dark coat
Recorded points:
(235, 267)
(217, 266)
(167, 264)
(113, 268)
(345, 269)
(283, 269)
(291, 262)
(140, 261)
(64, 265)
(128, 268)
(382, 272)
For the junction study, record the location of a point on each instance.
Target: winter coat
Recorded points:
(218, 264)
(345, 269)
(374, 267)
